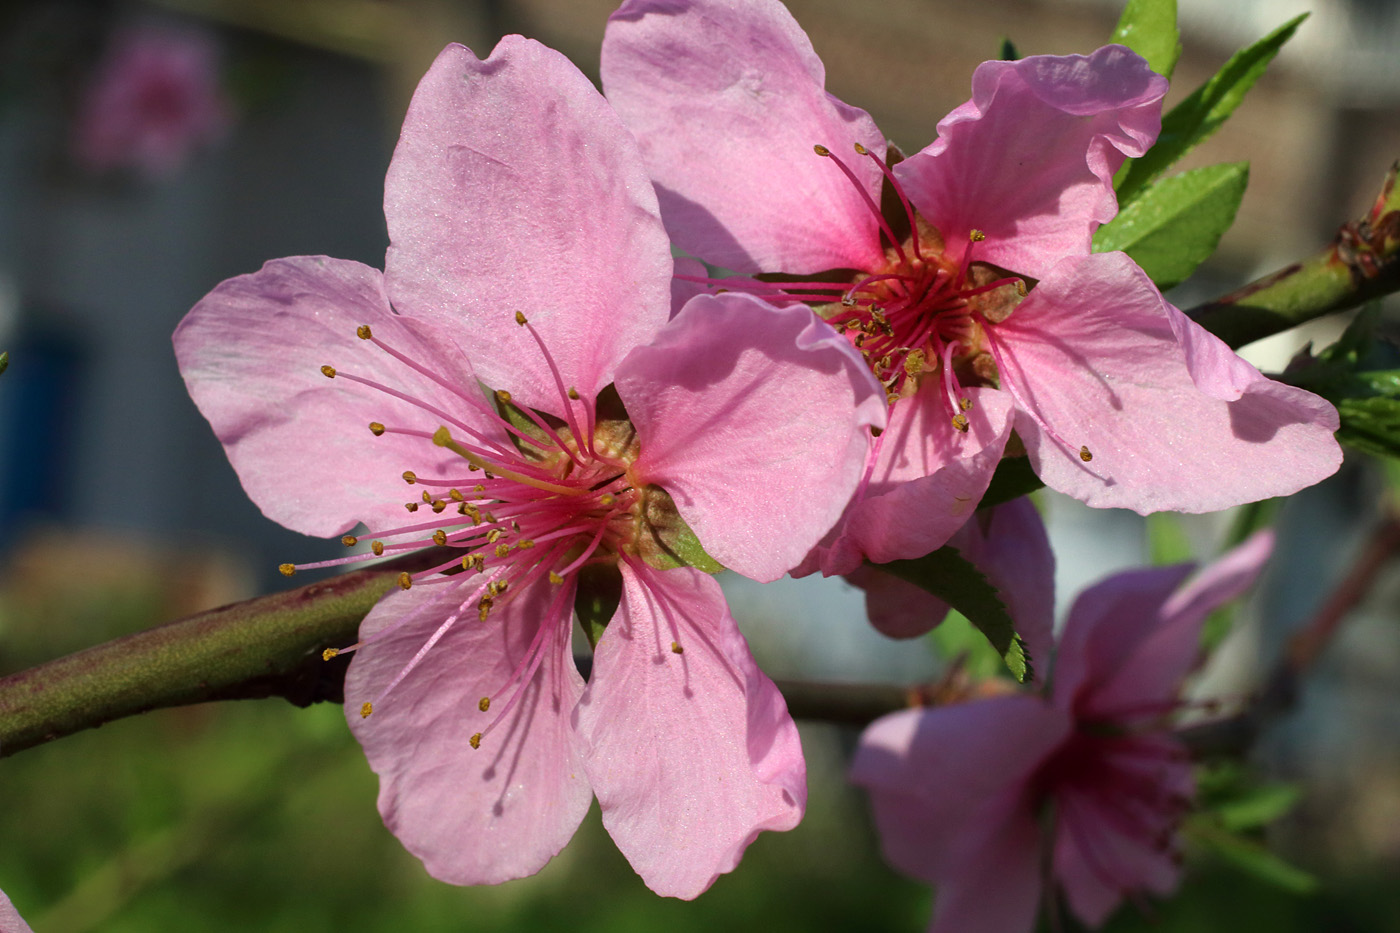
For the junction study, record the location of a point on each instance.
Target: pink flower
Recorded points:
(153, 100)
(10, 920)
(515, 188)
(965, 796)
(976, 300)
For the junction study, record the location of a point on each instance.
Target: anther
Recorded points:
(520, 318)
(349, 540)
(411, 506)
(555, 578)
(440, 538)
(573, 393)
(287, 569)
(475, 741)
(502, 550)
(676, 648)
(405, 581)
(960, 422)
(965, 404)
(328, 372)
(503, 395)
(606, 499)
(376, 429)
(914, 363)
(363, 332)
(977, 236)
(497, 587)
(861, 150)
(366, 709)
(485, 702)
(455, 495)
(821, 150)
(377, 547)
(525, 544)
(329, 653)
(483, 608)
(439, 505)
(410, 477)
(1085, 455)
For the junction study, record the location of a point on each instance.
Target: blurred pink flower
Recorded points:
(10, 920)
(968, 797)
(975, 298)
(152, 102)
(514, 186)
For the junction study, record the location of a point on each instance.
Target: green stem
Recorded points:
(1361, 263)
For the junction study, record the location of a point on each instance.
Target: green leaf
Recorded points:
(1008, 52)
(1252, 857)
(955, 637)
(1166, 539)
(1258, 806)
(1148, 27)
(1202, 113)
(1175, 224)
(598, 596)
(952, 578)
(1012, 479)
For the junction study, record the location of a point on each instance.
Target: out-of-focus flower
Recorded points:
(10, 920)
(973, 797)
(974, 298)
(516, 364)
(153, 100)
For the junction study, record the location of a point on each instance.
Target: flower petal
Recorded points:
(927, 479)
(483, 815)
(1107, 624)
(896, 608)
(727, 101)
(995, 886)
(943, 766)
(1092, 357)
(515, 187)
(1029, 160)
(756, 420)
(1157, 667)
(250, 353)
(691, 754)
(1009, 544)
(10, 920)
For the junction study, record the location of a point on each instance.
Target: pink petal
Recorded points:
(683, 290)
(10, 920)
(756, 420)
(897, 609)
(474, 816)
(1029, 160)
(943, 766)
(1108, 623)
(727, 101)
(515, 187)
(251, 352)
(928, 478)
(1093, 358)
(995, 886)
(1157, 667)
(691, 754)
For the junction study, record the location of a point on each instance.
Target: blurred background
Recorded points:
(272, 126)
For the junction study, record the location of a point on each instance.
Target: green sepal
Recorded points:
(1233, 806)
(1148, 27)
(597, 598)
(664, 540)
(1167, 542)
(1202, 113)
(1359, 374)
(1008, 51)
(956, 581)
(518, 419)
(1175, 224)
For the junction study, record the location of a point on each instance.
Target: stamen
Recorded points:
(869, 201)
(903, 199)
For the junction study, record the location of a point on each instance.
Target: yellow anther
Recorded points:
(410, 477)
(366, 709)
(328, 372)
(478, 488)
(483, 608)
(440, 538)
(520, 318)
(377, 547)
(494, 535)
(427, 498)
(676, 648)
(455, 495)
(573, 393)
(977, 236)
(1085, 455)
(349, 540)
(503, 395)
(498, 587)
(287, 569)
(965, 404)
(405, 581)
(363, 332)
(485, 703)
(489, 517)
(606, 498)
(376, 429)
(475, 741)
(861, 150)
(329, 653)
(960, 422)
(525, 544)
(502, 550)
(555, 578)
(439, 505)
(411, 506)
(821, 150)
(914, 363)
